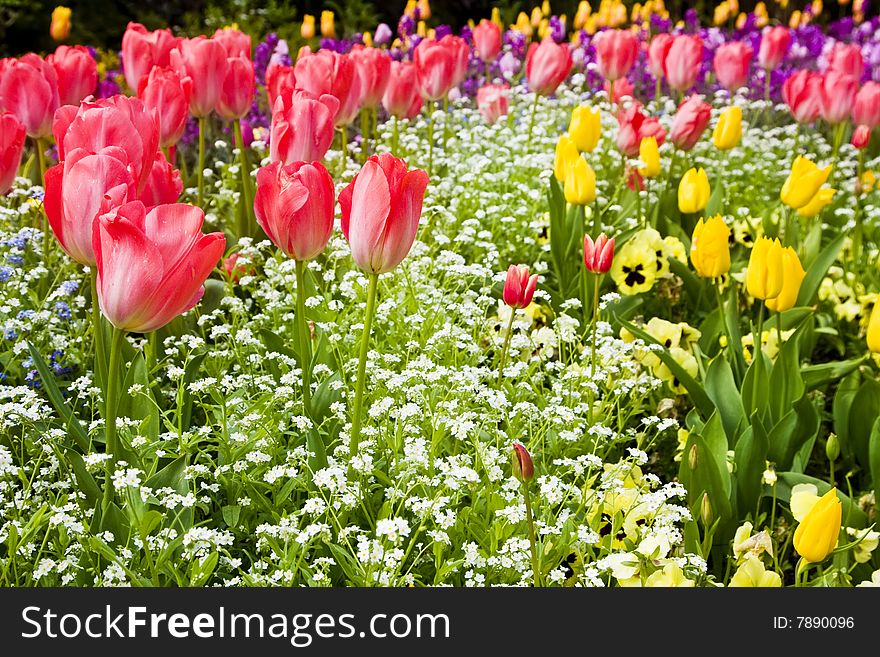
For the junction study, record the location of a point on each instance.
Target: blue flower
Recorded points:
(63, 310)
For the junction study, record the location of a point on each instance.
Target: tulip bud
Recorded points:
(566, 155)
(706, 513)
(710, 249)
(873, 336)
(765, 273)
(649, 154)
(816, 536)
(519, 287)
(803, 182)
(693, 457)
(792, 276)
(832, 447)
(328, 26)
(584, 129)
(521, 463)
(598, 256)
(728, 132)
(693, 191)
(861, 137)
(307, 29)
(580, 183)
(59, 29)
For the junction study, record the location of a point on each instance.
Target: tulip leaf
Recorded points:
(750, 456)
(704, 469)
(865, 406)
(722, 390)
(755, 388)
(817, 270)
(785, 384)
(716, 200)
(852, 515)
(693, 285)
(817, 376)
(843, 399)
(56, 398)
(874, 457)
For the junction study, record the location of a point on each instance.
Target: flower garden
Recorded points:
(547, 300)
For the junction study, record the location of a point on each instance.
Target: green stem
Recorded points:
(201, 171)
(716, 284)
(111, 402)
(305, 339)
(343, 147)
(362, 363)
(365, 133)
(395, 137)
(593, 322)
(757, 350)
(506, 346)
(488, 74)
(249, 222)
(445, 120)
(532, 120)
(100, 360)
(839, 131)
(41, 158)
(533, 548)
(430, 109)
(657, 90)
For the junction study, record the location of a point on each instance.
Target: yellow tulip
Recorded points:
(410, 9)
(496, 17)
(816, 536)
(649, 154)
(728, 132)
(307, 29)
(710, 250)
(803, 182)
(693, 191)
(328, 24)
(422, 29)
(580, 183)
(874, 329)
(820, 200)
(536, 17)
(722, 13)
(424, 9)
(368, 39)
(765, 272)
(792, 277)
(583, 11)
(584, 129)
(566, 154)
(60, 27)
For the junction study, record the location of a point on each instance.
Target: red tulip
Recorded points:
(774, 46)
(492, 102)
(683, 61)
(77, 190)
(239, 84)
(380, 212)
(599, 255)
(521, 463)
(838, 95)
(29, 89)
(77, 73)
(519, 287)
(328, 72)
(634, 180)
(866, 109)
(164, 91)
(461, 53)
(203, 60)
(164, 184)
(547, 65)
(236, 44)
(731, 64)
(436, 67)
(847, 58)
(152, 265)
(633, 126)
(234, 269)
(487, 40)
(142, 50)
(623, 88)
(861, 137)
(402, 98)
(12, 136)
(690, 121)
(278, 78)
(802, 93)
(616, 52)
(294, 205)
(373, 67)
(302, 126)
(657, 52)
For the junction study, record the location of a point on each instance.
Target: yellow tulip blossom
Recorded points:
(792, 277)
(693, 191)
(873, 336)
(584, 128)
(580, 183)
(816, 536)
(803, 182)
(566, 154)
(59, 29)
(710, 249)
(728, 132)
(822, 198)
(307, 29)
(328, 24)
(765, 272)
(649, 154)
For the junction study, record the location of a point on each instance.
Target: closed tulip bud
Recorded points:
(77, 73)
(803, 182)
(29, 89)
(487, 40)
(707, 515)
(402, 98)
(302, 126)
(580, 183)
(710, 249)
(649, 154)
(436, 63)
(693, 191)
(328, 72)
(832, 447)
(861, 137)
(657, 52)
(519, 287)
(683, 62)
(598, 255)
(802, 93)
(616, 53)
(584, 129)
(374, 70)
(838, 96)
(59, 29)
(547, 65)
(566, 155)
(12, 137)
(521, 463)
(764, 276)
(873, 336)
(792, 277)
(816, 536)
(822, 198)
(774, 46)
(204, 61)
(693, 457)
(690, 122)
(142, 50)
(307, 29)
(866, 110)
(731, 65)
(237, 93)
(164, 91)
(328, 24)
(728, 132)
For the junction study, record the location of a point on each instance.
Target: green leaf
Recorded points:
(817, 376)
(231, 514)
(843, 399)
(750, 456)
(191, 371)
(47, 377)
(865, 407)
(874, 457)
(786, 384)
(704, 470)
(817, 270)
(84, 479)
(722, 390)
(755, 387)
(201, 569)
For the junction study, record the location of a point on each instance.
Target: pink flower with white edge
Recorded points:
(519, 287)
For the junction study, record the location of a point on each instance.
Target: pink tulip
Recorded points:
(492, 102)
(731, 64)
(616, 52)
(599, 255)
(29, 89)
(164, 184)
(302, 126)
(203, 60)
(633, 126)
(623, 88)
(461, 53)
(487, 40)
(152, 266)
(278, 78)
(12, 136)
(657, 52)
(847, 58)
(436, 67)
(237, 94)
(373, 67)
(690, 121)
(547, 65)
(77, 73)
(142, 50)
(683, 61)
(165, 92)
(838, 95)
(327, 72)
(861, 137)
(774, 46)
(802, 93)
(519, 287)
(236, 44)
(294, 205)
(402, 98)
(380, 212)
(866, 109)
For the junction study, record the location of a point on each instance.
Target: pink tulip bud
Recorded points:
(616, 52)
(599, 255)
(657, 52)
(294, 205)
(279, 78)
(329, 73)
(233, 269)
(522, 466)
(547, 65)
(302, 126)
(861, 137)
(142, 50)
(237, 94)
(683, 61)
(203, 60)
(12, 136)
(838, 95)
(487, 40)
(29, 89)
(731, 64)
(690, 121)
(402, 98)
(519, 287)
(77, 73)
(164, 91)
(802, 92)
(774, 46)
(438, 65)
(846, 58)
(152, 265)
(236, 43)
(381, 208)
(634, 126)
(492, 102)
(623, 88)
(373, 67)
(866, 110)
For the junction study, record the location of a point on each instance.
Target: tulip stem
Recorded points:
(248, 222)
(758, 350)
(111, 402)
(716, 284)
(657, 90)
(41, 158)
(201, 172)
(365, 133)
(430, 109)
(305, 340)
(445, 120)
(533, 548)
(593, 322)
(532, 120)
(362, 364)
(504, 350)
(395, 136)
(98, 332)
(488, 74)
(343, 148)
(839, 131)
